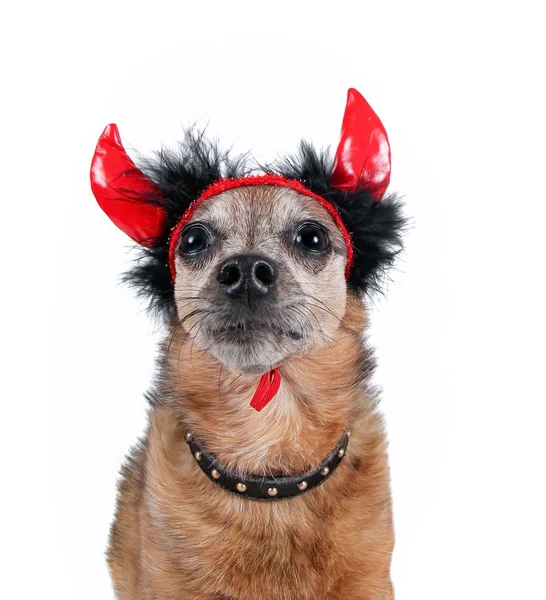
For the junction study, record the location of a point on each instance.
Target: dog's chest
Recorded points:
(249, 558)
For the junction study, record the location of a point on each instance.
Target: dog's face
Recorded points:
(260, 277)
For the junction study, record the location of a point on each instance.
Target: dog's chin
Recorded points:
(254, 348)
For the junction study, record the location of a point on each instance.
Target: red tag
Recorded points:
(266, 390)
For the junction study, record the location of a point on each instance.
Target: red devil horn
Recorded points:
(121, 190)
(363, 157)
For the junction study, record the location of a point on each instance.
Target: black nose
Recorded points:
(246, 276)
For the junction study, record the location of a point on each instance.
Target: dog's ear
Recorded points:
(124, 193)
(363, 156)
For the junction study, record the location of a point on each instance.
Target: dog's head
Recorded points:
(256, 268)
(260, 276)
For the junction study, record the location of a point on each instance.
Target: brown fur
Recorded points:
(178, 536)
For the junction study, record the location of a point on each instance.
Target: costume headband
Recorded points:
(362, 161)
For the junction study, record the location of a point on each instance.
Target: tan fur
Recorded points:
(178, 536)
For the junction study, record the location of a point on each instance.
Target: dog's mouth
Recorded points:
(253, 331)
(254, 344)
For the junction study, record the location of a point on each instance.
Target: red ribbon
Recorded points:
(266, 390)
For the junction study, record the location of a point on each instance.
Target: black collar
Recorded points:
(266, 488)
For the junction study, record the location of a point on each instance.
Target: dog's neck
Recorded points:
(319, 397)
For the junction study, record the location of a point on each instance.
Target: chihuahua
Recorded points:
(263, 470)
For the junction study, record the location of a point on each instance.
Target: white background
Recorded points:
(460, 337)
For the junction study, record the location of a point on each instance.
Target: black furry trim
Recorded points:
(376, 228)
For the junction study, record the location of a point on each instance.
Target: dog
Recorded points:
(263, 471)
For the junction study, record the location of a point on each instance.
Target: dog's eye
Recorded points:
(312, 237)
(194, 239)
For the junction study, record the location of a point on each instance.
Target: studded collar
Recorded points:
(266, 488)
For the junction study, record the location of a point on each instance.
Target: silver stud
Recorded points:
(215, 474)
(272, 491)
(188, 437)
(325, 471)
(302, 486)
(348, 434)
(341, 453)
(198, 456)
(241, 487)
